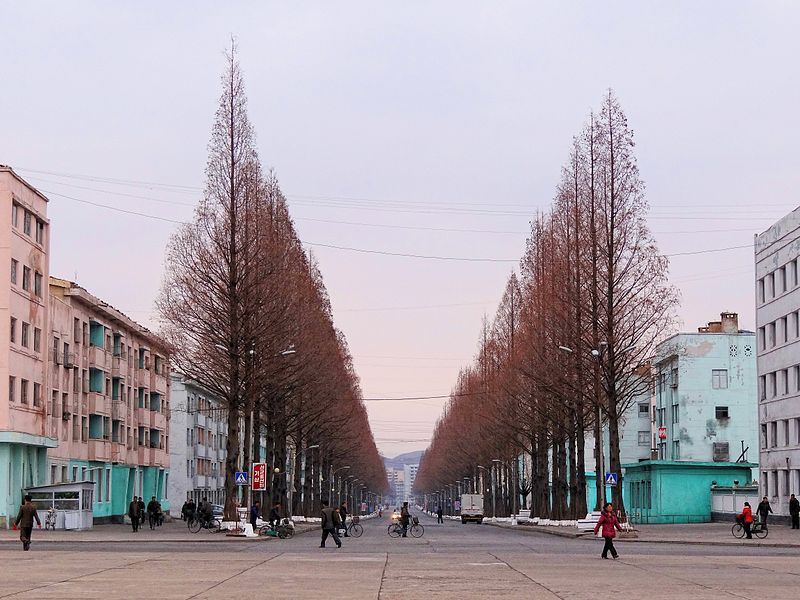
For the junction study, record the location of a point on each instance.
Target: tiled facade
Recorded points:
(197, 448)
(108, 403)
(777, 252)
(24, 323)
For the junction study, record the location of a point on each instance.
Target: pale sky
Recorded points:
(382, 118)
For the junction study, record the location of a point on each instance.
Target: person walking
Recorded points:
(152, 512)
(746, 519)
(794, 511)
(609, 522)
(439, 513)
(133, 513)
(405, 517)
(343, 515)
(142, 512)
(185, 510)
(255, 512)
(330, 525)
(763, 512)
(25, 517)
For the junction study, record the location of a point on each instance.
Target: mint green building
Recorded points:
(668, 491)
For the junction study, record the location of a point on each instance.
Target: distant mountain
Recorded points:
(409, 458)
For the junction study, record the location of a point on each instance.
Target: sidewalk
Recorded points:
(175, 531)
(715, 534)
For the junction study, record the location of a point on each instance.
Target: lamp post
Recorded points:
(333, 480)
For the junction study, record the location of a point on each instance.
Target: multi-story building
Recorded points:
(777, 252)
(197, 449)
(409, 476)
(108, 401)
(705, 394)
(24, 328)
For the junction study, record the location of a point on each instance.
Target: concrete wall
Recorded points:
(777, 305)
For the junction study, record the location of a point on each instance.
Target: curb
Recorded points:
(581, 536)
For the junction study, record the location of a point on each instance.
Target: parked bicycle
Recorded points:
(284, 530)
(416, 530)
(197, 523)
(756, 528)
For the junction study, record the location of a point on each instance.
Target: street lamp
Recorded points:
(333, 481)
(303, 476)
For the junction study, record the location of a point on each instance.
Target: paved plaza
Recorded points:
(449, 561)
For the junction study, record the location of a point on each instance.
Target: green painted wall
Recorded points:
(21, 466)
(677, 491)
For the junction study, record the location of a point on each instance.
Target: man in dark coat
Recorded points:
(133, 513)
(141, 511)
(255, 512)
(763, 512)
(330, 525)
(439, 513)
(405, 518)
(794, 511)
(25, 517)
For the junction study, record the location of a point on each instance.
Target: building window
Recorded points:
(771, 285)
(26, 226)
(644, 438)
(12, 389)
(13, 331)
(37, 284)
(14, 215)
(721, 412)
(771, 335)
(785, 381)
(676, 450)
(37, 339)
(39, 232)
(782, 331)
(37, 394)
(763, 436)
(26, 279)
(23, 391)
(761, 291)
(14, 266)
(721, 452)
(719, 379)
(675, 414)
(773, 434)
(25, 334)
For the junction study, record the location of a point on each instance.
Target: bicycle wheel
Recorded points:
(760, 532)
(213, 526)
(417, 530)
(395, 531)
(737, 530)
(194, 525)
(356, 530)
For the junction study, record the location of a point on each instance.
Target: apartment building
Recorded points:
(409, 477)
(108, 401)
(24, 327)
(777, 252)
(705, 394)
(197, 450)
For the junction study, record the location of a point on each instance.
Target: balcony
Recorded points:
(143, 417)
(142, 379)
(97, 403)
(118, 367)
(144, 455)
(158, 421)
(200, 482)
(118, 410)
(100, 450)
(158, 383)
(98, 358)
(69, 360)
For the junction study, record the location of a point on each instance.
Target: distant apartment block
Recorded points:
(777, 252)
(197, 449)
(705, 394)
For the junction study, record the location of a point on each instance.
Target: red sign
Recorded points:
(259, 477)
(662, 433)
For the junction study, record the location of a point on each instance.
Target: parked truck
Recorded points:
(471, 508)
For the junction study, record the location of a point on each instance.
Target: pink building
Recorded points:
(24, 245)
(108, 402)
(88, 388)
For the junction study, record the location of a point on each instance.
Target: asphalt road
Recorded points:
(449, 561)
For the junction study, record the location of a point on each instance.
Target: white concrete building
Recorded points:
(197, 451)
(409, 477)
(778, 322)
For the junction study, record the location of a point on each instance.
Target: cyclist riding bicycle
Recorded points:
(405, 517)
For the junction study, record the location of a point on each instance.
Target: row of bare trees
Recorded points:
(567, 350)
(246, 311)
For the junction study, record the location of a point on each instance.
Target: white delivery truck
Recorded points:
(472, 508)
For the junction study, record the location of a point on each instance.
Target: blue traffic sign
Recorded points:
(241, 477)
(611, 479)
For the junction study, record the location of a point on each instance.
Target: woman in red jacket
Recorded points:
(608, 521)
(746, 518)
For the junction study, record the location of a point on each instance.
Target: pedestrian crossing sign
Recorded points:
(611, 479)
(241, 478)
